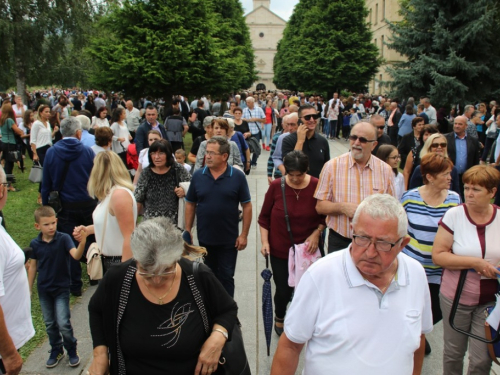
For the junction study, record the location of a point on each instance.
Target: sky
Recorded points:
(282, 8)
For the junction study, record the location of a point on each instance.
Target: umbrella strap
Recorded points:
(287, 219)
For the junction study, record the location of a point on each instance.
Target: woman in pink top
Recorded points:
(267, 127)
(468, 238)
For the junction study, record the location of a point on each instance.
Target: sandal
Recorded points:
(278, 329)
(39, 200)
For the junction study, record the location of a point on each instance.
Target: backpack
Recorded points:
(174, 128)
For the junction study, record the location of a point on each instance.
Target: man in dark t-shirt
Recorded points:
(197, 142)
(382, 138)
(198, 114)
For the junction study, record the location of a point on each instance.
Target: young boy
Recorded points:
(51, 252)
(180, 157)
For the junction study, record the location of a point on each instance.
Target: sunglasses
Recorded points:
(381, 127)
(309, 117)
(436, 145)
(361, 139)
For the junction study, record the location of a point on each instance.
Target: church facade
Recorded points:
(266, 29)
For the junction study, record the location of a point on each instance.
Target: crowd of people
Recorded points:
(393, 242)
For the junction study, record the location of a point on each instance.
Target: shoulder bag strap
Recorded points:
(104, 226)
(193, 281)
(124, 294)
(287, 219)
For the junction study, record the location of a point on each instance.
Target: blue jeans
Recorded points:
(266, 134)
(68, 219)
(222, 262)
(326, 127)
(56, 315)
(333, 127)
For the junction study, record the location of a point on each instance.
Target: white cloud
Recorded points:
(283, 8)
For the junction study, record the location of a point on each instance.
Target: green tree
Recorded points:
(326, 46)
(451, 47)
(165, 47)
(35, 35)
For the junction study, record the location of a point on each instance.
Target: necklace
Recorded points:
(297, 194)
(160, 299)
(383, 290)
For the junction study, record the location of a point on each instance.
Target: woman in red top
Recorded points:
(306, 225)
(267, 127)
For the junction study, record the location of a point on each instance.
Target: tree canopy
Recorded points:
(326, 46)
(41, 41)
(451, 50)
(165, 47)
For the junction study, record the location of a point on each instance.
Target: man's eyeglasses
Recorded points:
(292, 124)
(309, 117)
(436, 145)
(380, 245)
(361, 139)
(212, 153)
(381, 127)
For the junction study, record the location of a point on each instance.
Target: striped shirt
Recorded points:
(423, 223)
(342, 180)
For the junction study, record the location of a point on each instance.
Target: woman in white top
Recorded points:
(109, 182)
(100, 119)
(390, 155)
(41, 136)
(153, 135)
(121, 135)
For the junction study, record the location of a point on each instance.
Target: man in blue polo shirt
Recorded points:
(214, 195)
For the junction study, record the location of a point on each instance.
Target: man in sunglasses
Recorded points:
(348, 179)
(307, 140)
(382, 139)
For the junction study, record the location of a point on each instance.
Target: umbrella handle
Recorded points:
(267, 260)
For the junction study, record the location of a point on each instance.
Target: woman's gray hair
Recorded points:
(156, 244)
(384, 207)
(69, 127)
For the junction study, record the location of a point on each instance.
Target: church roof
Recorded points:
(261, 9)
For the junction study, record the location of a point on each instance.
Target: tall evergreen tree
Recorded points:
(451, 47)
(165, 47)
(326, 46)
(36, 34)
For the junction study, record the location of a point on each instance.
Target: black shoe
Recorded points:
(278, 330)
(56, 354)
(427, 347)
(76, 293)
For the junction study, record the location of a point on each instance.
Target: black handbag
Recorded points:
(233, 360)
(14, 156)
(54, 200)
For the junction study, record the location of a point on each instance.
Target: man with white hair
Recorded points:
(365, 309)
(255, 117)
(133, 117)
(16, 326)
(66, 169)
(87, 138)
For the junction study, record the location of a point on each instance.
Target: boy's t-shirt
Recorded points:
(53, 262)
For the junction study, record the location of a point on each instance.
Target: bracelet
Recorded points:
(222, 332)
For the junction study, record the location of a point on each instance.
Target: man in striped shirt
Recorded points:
(348, 179)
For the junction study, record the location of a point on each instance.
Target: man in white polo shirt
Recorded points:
(362, 310)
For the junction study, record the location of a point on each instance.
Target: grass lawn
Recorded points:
(18, 213)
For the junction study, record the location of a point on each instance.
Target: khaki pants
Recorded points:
(470, 319)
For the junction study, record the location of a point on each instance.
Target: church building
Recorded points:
(266, 29)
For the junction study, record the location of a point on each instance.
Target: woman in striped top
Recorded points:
(425, 206)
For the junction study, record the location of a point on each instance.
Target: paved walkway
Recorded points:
(248, 295)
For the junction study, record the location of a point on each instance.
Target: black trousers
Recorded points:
(337, 242)
(284, 293)
(437, 315)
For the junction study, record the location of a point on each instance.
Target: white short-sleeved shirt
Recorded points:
(350, 327)
(14, 291)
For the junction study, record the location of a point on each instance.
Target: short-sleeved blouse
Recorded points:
(473, 240)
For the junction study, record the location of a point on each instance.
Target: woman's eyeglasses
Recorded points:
(397, 157)
(158, 153)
